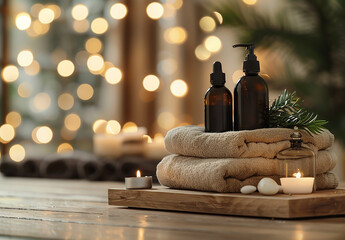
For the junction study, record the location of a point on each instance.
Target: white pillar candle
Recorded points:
(138, 182)
(155, 149)
(107, 145)
(294, 185)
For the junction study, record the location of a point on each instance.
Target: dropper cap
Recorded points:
(250, 65)
(217, 77)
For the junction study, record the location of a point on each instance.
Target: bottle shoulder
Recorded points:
(295, 153)
(251, 80)
(218, 90)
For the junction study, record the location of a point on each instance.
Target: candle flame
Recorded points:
(138, 174)
(297, 175)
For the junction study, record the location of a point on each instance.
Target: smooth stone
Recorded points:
(248, 189)
(268, 186)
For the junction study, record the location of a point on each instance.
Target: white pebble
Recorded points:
(280, 189)
(248, 189)
(268, 186)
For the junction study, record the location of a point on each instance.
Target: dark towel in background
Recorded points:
(79, 164)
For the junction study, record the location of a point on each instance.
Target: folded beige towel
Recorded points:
(266, 142)
(229, 174)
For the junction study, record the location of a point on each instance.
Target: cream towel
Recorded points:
(266, 142)
(229, 175)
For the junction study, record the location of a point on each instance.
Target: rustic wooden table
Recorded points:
(76, 209)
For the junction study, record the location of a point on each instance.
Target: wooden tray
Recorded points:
(321, 203)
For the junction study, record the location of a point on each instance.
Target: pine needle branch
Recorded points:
(287, 112)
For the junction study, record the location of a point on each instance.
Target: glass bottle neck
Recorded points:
(296, 143)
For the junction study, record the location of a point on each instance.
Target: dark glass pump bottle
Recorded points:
(250, 95)
(218, 103)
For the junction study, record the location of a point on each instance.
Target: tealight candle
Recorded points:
(298, 184)
(138, 182)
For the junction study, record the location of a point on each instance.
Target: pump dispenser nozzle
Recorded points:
(217, 77)
(251, 64)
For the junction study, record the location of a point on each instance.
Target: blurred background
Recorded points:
(110, 78)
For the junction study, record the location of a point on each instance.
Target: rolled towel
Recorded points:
(110, 171)
(229, 175)
(8, 167)
(62, 165)
(30, 167)
(266, 142)
(90, 169)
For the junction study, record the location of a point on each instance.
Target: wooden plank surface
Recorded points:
(321, 203)
(76, 209)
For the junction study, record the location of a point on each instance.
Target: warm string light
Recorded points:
(64, 147)
(93, 45)
(118, 11)
(130, 127)
(95, 63)
(113, 127)
(79, 12)
(213, 44)
(65, 68)
(7, 133)
(99, 25)
(17, 153)
(42, 135)
(179, 88)
(207, 24)
(99, 126)
(14, 119)
(72, 122)
(175, 35)
(46, 15)
(151, 83)
(202, 53)
(41, 102)
(85, 91)
(219, 17)
(23, 21)
(113, 75)
(25, 58)
(155, 10)
(9, 73)
(65, 101)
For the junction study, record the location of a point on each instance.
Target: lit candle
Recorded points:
(138, 182)
(297, 184)
(127, 142)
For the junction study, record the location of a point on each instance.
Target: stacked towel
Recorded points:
(224, 162)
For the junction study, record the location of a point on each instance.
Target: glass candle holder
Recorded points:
(296, 167)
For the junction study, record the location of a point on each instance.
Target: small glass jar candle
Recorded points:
(296, 167)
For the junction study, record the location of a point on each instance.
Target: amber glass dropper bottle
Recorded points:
(218, 103)
(250, 95)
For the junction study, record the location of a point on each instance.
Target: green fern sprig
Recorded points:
(287, 112)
